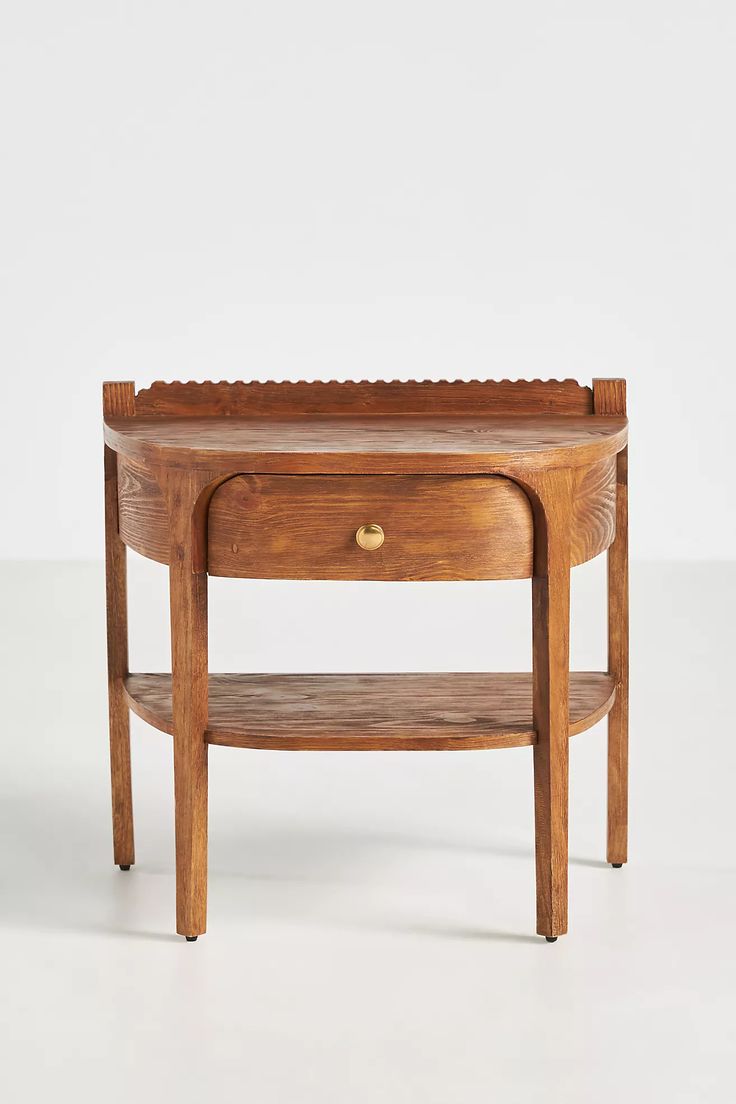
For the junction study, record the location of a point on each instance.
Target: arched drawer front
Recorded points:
(441, 527)
(594, 510)
(435, 528)
(143, 520)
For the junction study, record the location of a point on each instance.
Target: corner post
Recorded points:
(609, 398)
(118, 400)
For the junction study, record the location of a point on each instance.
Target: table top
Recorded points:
(368, 444)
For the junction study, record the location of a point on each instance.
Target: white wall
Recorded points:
(286, 190)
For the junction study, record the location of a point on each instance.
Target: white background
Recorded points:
(339, 190)
(376, 190)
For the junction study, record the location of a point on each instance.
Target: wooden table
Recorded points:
(386, 481)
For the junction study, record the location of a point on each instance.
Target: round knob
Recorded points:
(370, 537)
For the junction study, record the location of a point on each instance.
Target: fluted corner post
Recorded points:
(609, 398)
(551, 496)
(188, 597)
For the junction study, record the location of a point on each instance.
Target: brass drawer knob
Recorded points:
(370, 537)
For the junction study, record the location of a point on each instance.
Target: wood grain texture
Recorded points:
(188, 594)
(303, 527)
(377, 445)
(421, 712)
(117, 670)
(610, 400)
(593, 525)
(142, 511)
(118, 400)
(618, 667)
(551, 649)
(609, 397)
(304, 398)
(144, 523)
(562, 445)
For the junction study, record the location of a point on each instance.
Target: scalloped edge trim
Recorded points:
(360, 383)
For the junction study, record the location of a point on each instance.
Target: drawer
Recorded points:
(312, 527)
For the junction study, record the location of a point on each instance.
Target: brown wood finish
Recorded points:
(188, 590)
(263, 478)
(369, 445)
(118, 400)
(144, 522)
(423, 712)
(117, 670)
(303, 527)
(610, 398)
(593, 523)
(310, 399)
(551, 649)
(142, 511)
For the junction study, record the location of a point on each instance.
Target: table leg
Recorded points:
(188, 593)
(618, 667)
(551, 621)
(117, 669)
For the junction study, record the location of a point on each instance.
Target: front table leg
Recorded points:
(188, 594)
(551, 648)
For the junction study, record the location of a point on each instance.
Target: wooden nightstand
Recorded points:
(387, 481)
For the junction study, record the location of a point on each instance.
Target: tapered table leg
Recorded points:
(188, 593)
(618, 667)
(117, 669)
(609, 400)
(551, 620)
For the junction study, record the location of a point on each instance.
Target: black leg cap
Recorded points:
(551, 938)
(124, 866)
(617, 866)
(191, 938)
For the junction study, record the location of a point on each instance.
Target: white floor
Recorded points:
(371, 932)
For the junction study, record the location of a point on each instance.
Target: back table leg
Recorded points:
(609, 400)
(117, 669)
(618, 666)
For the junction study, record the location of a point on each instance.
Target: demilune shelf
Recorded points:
(402, 712)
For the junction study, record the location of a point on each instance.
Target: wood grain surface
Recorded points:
(420, 712)
(618, 667)
(303, 527)
(144, 524)
(116, 580)
(188, 601)
(377, 444)
(381, 397)
(118, 400)
(553, 507)
(143, 516)
(593, 523)
(263, 480)
(610, 398)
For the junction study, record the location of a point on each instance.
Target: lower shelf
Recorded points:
(427, 712)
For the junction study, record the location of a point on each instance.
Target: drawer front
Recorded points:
(433, 528)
